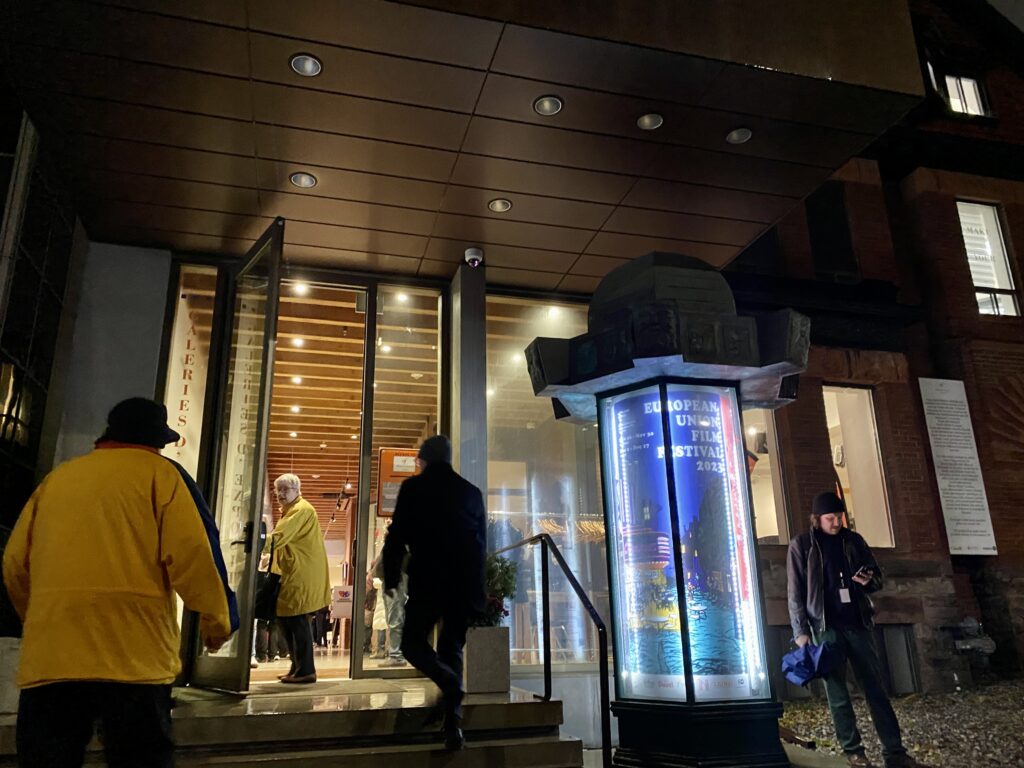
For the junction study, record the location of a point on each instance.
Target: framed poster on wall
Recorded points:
(395, 464)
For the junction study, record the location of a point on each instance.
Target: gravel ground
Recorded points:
(978, 728)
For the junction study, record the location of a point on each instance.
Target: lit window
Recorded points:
(964, 95)
(765, 476)
(987, 258)
(857, 462)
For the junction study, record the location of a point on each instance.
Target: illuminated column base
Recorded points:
(729, 735)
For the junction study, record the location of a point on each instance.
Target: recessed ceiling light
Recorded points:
(416, 376)
(306, 64)
(517, 357)
(296, 409)
(652, 121)
(297, 342)
(546, 106)
(355, 437)
(386, 348)
(402, 297)
(375, 385)
(500, 205)
(315, 477)
(751, 431)
(296, 379)
(323, 446)
(348, 486)
(490, 393)
(595, 425)
(303, 180)
(739, 135)
(293, 434)
(553, 311)
(300, 289)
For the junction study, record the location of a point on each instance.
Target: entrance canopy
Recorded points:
(183, 123)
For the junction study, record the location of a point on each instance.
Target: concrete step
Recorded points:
(360, 724)
(550, 752)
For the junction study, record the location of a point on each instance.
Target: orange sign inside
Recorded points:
(394, 466)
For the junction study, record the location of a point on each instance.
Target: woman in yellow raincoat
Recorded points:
(301, 560)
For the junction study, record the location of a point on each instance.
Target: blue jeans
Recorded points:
(858, 646)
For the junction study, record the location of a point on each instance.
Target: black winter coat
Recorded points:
(806, 580)
(439, 518)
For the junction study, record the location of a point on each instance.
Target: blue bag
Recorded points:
(802, 665)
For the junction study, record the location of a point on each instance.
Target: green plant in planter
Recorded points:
(499, 584)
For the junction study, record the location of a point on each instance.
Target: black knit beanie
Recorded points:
(827, 504)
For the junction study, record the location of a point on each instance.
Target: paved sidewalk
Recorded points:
(799, 758)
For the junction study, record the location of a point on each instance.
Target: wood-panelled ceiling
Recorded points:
(319, 368)
(181, 122)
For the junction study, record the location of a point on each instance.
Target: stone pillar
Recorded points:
(469, 375)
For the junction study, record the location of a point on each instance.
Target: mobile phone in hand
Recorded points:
(865, 571)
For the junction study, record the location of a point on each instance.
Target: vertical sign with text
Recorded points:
(957, 468)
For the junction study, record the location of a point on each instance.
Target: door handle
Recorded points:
(246, 540)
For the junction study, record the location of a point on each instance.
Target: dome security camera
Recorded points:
(474, 257)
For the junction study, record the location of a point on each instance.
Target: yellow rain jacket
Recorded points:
(92, 566)
(301, 559)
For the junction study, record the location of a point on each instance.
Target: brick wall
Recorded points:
(987, 353)
(920, 589)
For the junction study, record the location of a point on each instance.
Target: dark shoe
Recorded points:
(453, 739)
(286, 674)
(299, 680)
(261, 659)
(859, 760)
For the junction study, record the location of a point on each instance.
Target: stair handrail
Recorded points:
(548, 546)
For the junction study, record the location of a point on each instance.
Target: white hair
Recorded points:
(288, 481)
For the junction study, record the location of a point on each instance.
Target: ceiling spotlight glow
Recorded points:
(500, 205)
(303, 180)
(402, 297)
(296, 379)
(348, 486)
(297, 342)
(293, 434)
(296, 409)
(306, 64)
(739, 135)
(652, 121)
(517, 357)
(386, 348)
(546, 106)
(554, 311)
(751, 431)
(490, 393)
(355, 437)
(300, 289)
(315, 477)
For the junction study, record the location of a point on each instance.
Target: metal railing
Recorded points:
(548, 546)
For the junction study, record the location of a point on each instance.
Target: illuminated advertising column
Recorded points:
(683, 580)
(665, 366)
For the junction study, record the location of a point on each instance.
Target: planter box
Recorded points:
(486, 668)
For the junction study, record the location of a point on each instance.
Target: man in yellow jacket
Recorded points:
(92, 567)
(301, 560)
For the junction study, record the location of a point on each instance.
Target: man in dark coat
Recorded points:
(440, 520)
(831, 572)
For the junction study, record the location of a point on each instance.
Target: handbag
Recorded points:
(268, 586)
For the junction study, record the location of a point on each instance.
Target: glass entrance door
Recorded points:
(237, 487)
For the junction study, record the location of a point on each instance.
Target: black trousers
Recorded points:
(56, 722)
(443, 666)
(299, 636)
